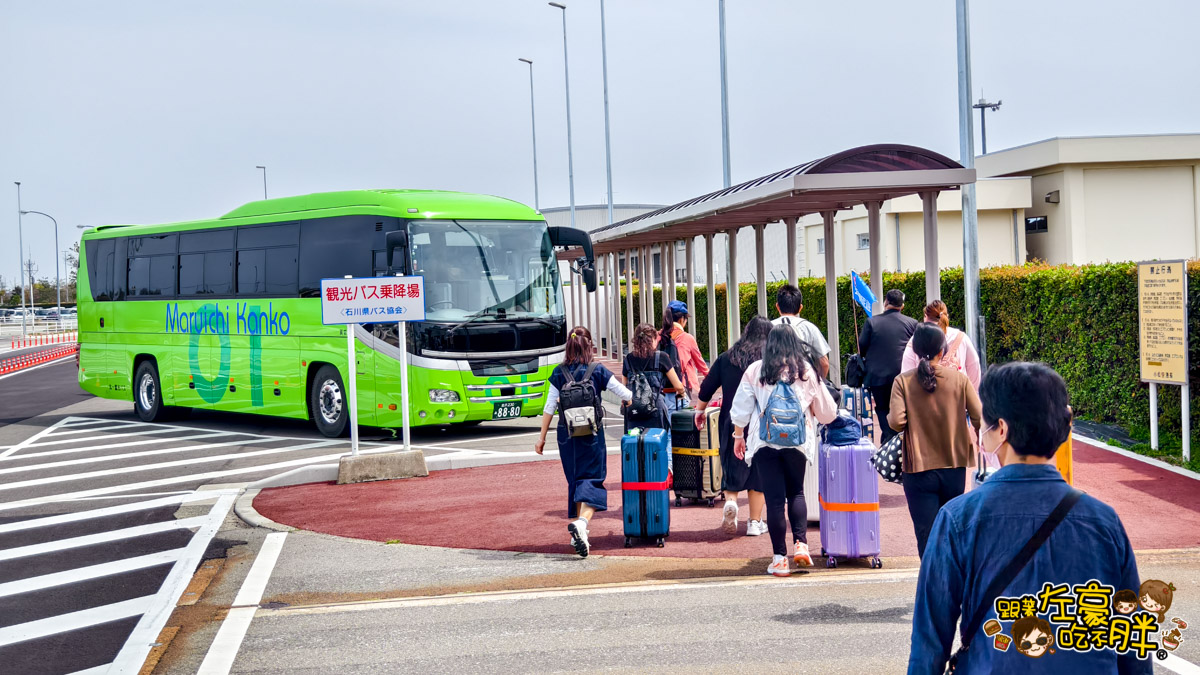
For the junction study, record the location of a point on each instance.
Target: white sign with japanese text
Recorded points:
(372, 300)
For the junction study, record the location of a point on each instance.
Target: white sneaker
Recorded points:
(779, 567)
(579, 537)
(803, 558)
(729, 519)
(755, 528)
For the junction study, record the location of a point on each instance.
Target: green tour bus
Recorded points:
(225, 314)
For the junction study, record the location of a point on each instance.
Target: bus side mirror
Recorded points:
(397, 239)
(589, 278)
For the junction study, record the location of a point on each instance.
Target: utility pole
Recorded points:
(20, 259)
(983, 106)
(30, 268)
(724, 101)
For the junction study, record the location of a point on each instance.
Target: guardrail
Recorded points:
(14, 363)
(43, 340)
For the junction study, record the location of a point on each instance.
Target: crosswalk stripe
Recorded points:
(100, 538)
(203, 434)
(34, 523)
(127, 455)
(90, 572)
(63, 623)
(32, 439)
(91, 430)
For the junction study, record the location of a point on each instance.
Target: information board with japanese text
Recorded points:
(372, 300)
(1162, 321)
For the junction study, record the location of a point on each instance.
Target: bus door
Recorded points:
(96, 318)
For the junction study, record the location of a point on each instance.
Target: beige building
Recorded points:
(1107, 198)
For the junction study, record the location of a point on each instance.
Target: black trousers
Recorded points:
(883, 404)
(927, 492)
(781, 473)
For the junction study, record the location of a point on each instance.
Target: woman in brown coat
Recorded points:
(931, 405)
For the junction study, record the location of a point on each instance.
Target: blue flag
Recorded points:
(862, 293)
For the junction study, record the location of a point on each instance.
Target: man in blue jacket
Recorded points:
(1057, 602)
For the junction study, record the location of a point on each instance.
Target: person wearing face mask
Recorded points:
(1022, 528)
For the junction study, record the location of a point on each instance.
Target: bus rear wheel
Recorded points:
(328, 403)
(147, 394)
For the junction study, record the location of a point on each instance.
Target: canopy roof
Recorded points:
(839, 181)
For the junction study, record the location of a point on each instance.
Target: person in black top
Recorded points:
(659, 370)
(882, 344)
(725, 375)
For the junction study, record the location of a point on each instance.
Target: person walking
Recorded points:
(780, 469)
(960, 353)
(675, 340)
(931, 404)
(584, 458)
(737, 476)
(789, 302)
(644, 360)
(1026, 418)
(882, 342)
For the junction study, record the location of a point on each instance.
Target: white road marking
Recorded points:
(203, 434)
(127, 455)
(223, 651)
(90, 572)
(43, 365)
(93, 448)
(176, 498)
(133, 654)
(1179, 665)
(32, 439)
(62, 623)
(120, 424)
(100, 538)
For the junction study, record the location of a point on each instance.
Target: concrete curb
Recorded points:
(244, 508)
(1133, 455)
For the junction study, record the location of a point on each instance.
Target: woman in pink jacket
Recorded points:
(960, 351)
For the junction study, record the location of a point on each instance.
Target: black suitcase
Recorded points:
(696, 457)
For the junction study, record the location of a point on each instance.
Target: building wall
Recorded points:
(1053, 245)
(1138, 213)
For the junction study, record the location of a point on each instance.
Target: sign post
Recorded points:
(1163, 338)
(352, 301)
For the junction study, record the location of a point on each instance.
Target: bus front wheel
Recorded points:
(147, 394)
(327, 401)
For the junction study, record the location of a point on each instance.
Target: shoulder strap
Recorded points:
(587, 375)
(567, 372)
(1014, 568)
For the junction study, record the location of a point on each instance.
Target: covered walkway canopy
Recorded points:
(867, 175)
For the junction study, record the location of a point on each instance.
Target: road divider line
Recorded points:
(92, 448)
(1179, 665)
(40, 365)
(190, 478)
(74, 621)
(90, 572)
(25, 443)
(133, 653)
(152, 432)
(48, 521)
(224, 649)
(119, 424)
(127, 455)
(100, 538)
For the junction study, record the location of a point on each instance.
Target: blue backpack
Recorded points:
(782, 424)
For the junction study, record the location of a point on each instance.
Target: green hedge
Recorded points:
(1081, 320)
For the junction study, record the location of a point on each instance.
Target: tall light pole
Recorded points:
(724, 101)
(264, 170)
(966, 151)
(607, 143)
(21, 260)
(533, 122)
(983, 106)
(57, 277)
(567, 78)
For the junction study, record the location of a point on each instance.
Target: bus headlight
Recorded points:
(443, 396)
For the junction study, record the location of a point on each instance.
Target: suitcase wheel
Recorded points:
(711, 502)
(661, 542)
(628, 542)
(831, 563)
(678, 501)
(876, 563)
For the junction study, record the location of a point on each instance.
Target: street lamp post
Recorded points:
(264, 170)
(607, 143)
(21, 261)
(966, 153)
(983, 106)
(724, 101)
(533, 123)
(567, 79)
(57, 277)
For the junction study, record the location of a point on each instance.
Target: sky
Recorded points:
(149, 111)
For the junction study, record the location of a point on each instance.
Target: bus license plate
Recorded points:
(506, 410)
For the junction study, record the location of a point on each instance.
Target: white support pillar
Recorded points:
(647, 287)
(875, 243)
(667, 263)
(790, 223)
(760, 268)
(662, 277)
(831, 307)
(688, 271)
(614, 306)
(733, 299)
(933, 281)
(711, 282)
(577, 282)
(629, 294)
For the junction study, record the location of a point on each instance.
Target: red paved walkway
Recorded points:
(521, 507)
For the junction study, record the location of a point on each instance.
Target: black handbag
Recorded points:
(888, 460)
(856, 370)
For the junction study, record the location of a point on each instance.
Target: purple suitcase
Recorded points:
(849, 494)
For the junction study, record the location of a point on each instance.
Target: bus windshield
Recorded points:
(485, 269)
